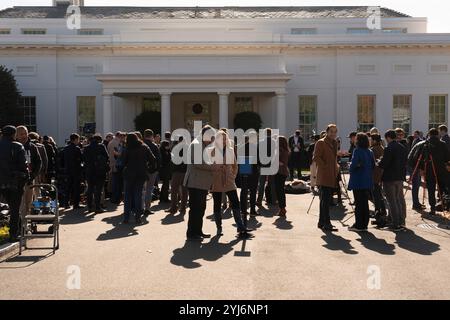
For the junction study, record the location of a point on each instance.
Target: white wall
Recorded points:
(56, 82)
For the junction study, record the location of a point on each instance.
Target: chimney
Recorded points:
(79, 3)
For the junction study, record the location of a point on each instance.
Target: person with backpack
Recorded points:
(96, 160)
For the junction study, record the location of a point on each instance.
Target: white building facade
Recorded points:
(298, 67)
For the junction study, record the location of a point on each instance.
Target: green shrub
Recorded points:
(247, 120)
(148, 120)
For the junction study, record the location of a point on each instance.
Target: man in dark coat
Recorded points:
(393, 164)
(34, 137)
(34, 160)
(297, 147)
(72, 166)
(432, 155)
(96, 160)
(149, 140)
(51, 156)
(352, 137)
(34, 163)
(13, 175)
(443, 131)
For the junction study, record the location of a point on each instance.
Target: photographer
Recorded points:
(432, 155)
(13, 175)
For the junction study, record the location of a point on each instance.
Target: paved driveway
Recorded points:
(286, 259)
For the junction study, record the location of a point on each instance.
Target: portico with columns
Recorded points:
(212, 96)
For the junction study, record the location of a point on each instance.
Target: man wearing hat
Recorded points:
(13, 176)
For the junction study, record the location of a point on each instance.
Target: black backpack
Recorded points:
(101, 163)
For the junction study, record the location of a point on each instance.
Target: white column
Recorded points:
(165, 112)
(281, 112)
(107, 113)
(223, 108)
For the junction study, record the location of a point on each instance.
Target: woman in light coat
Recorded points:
(224, 158)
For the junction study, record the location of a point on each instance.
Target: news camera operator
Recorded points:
(13, 176)
(431, 156)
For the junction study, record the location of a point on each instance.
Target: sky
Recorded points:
(437, 11)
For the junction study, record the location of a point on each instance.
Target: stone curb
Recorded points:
(8, 249)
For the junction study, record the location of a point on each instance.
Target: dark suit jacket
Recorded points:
(96, 159)
(393, 162)
(35, 158)
(72, 160)
(301, 142)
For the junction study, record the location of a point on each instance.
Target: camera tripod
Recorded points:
(427, 159)
(344, 186)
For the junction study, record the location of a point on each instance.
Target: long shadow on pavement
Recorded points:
(75, 217)
(339, 212)
(160, 206)
(410, 241)
(119, 229)
(253, 223)
(283, 224)
(226, 214)
(439, 219)
(23, 261)
(337, 243)
(369, 241)
(172, 218)
(81, 215)
(192, 251)
(266, 212)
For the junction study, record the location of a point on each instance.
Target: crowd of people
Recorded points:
(378, 169)
(138, 168)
